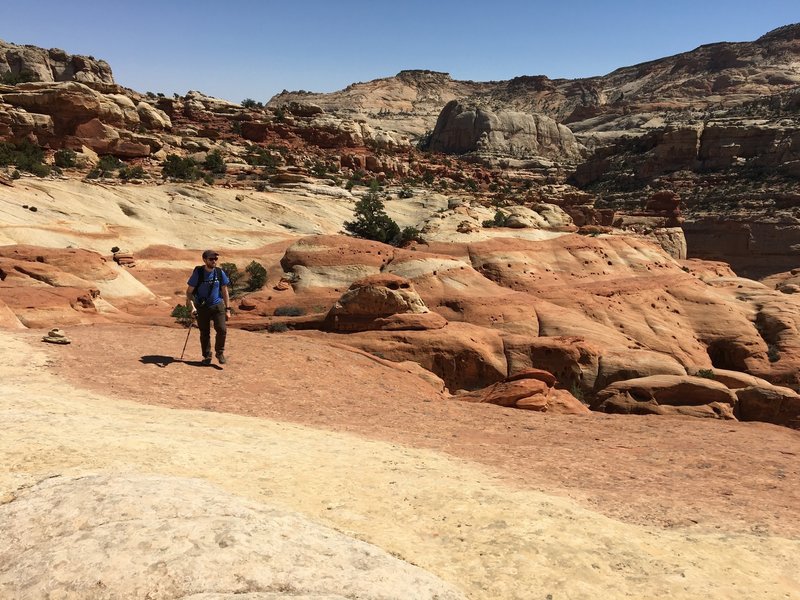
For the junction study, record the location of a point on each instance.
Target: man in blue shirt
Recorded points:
(207, 298)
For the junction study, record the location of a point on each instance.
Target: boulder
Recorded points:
(56, 336)
(469, 128)
(371, 298)
(667, 394)
(529, 390)
(153, 118)
(778, 405)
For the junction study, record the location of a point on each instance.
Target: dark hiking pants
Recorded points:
(205, 316)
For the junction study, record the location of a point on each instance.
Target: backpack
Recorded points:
(216, 275)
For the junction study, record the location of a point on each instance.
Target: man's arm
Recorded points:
(226, 298)
(190, 299)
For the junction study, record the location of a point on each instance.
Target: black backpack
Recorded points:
(216, 275)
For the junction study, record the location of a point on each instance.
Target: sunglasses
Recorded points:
(212, 258)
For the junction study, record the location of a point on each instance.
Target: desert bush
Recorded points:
(371, 221)
(319, 169)
(176, 167)
(65, 158)
(258, 276)
(16, 78)
(424, 142)
(405, 192)
(235, 275)
(215, 163)
(706, 374)
(277, 327)
(25, 156)
(137, 172)
(409, 234)
(250, 103)
(499, 220)
(261, 157)
(289, 311)
(182, 314)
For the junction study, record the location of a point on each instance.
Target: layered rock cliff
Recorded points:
(30, 63)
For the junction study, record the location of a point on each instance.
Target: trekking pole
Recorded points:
(187, 337)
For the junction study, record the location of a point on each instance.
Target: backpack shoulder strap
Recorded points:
(198, 270)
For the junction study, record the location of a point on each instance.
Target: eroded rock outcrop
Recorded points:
(668, 394)
(532, 389)
(463, 129)
(380, 301)
(38, 64)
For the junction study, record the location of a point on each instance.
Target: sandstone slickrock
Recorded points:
(147, 536)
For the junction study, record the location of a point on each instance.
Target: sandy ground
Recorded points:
(501, 503)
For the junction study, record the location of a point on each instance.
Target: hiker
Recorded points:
(207, 297)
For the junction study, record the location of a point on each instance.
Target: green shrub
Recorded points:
(372, 222)
(289, 311)
(25, 156)
(409, 234)
(109, 163)
(137, 172)
(261, 157)
(235, 275)
(16, 78)
(319, 169)
(208, 178)
(405, 192)
(424, 142)
(277, 327)
(182, 314)
(706, 374)
(215, 163)
(250, 103)
(258, 276)
(65, 158)
(499, 220)
(184, 169)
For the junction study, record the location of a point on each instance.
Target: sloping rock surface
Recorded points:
(156, 537)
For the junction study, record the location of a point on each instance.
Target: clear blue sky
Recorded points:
(238, 49)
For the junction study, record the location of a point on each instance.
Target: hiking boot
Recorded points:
(221, 359)
(207, 361)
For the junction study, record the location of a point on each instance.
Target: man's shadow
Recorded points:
(163, 361)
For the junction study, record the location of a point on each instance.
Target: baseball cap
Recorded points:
(210, 254)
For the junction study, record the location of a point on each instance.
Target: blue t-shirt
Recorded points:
(207, 291)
